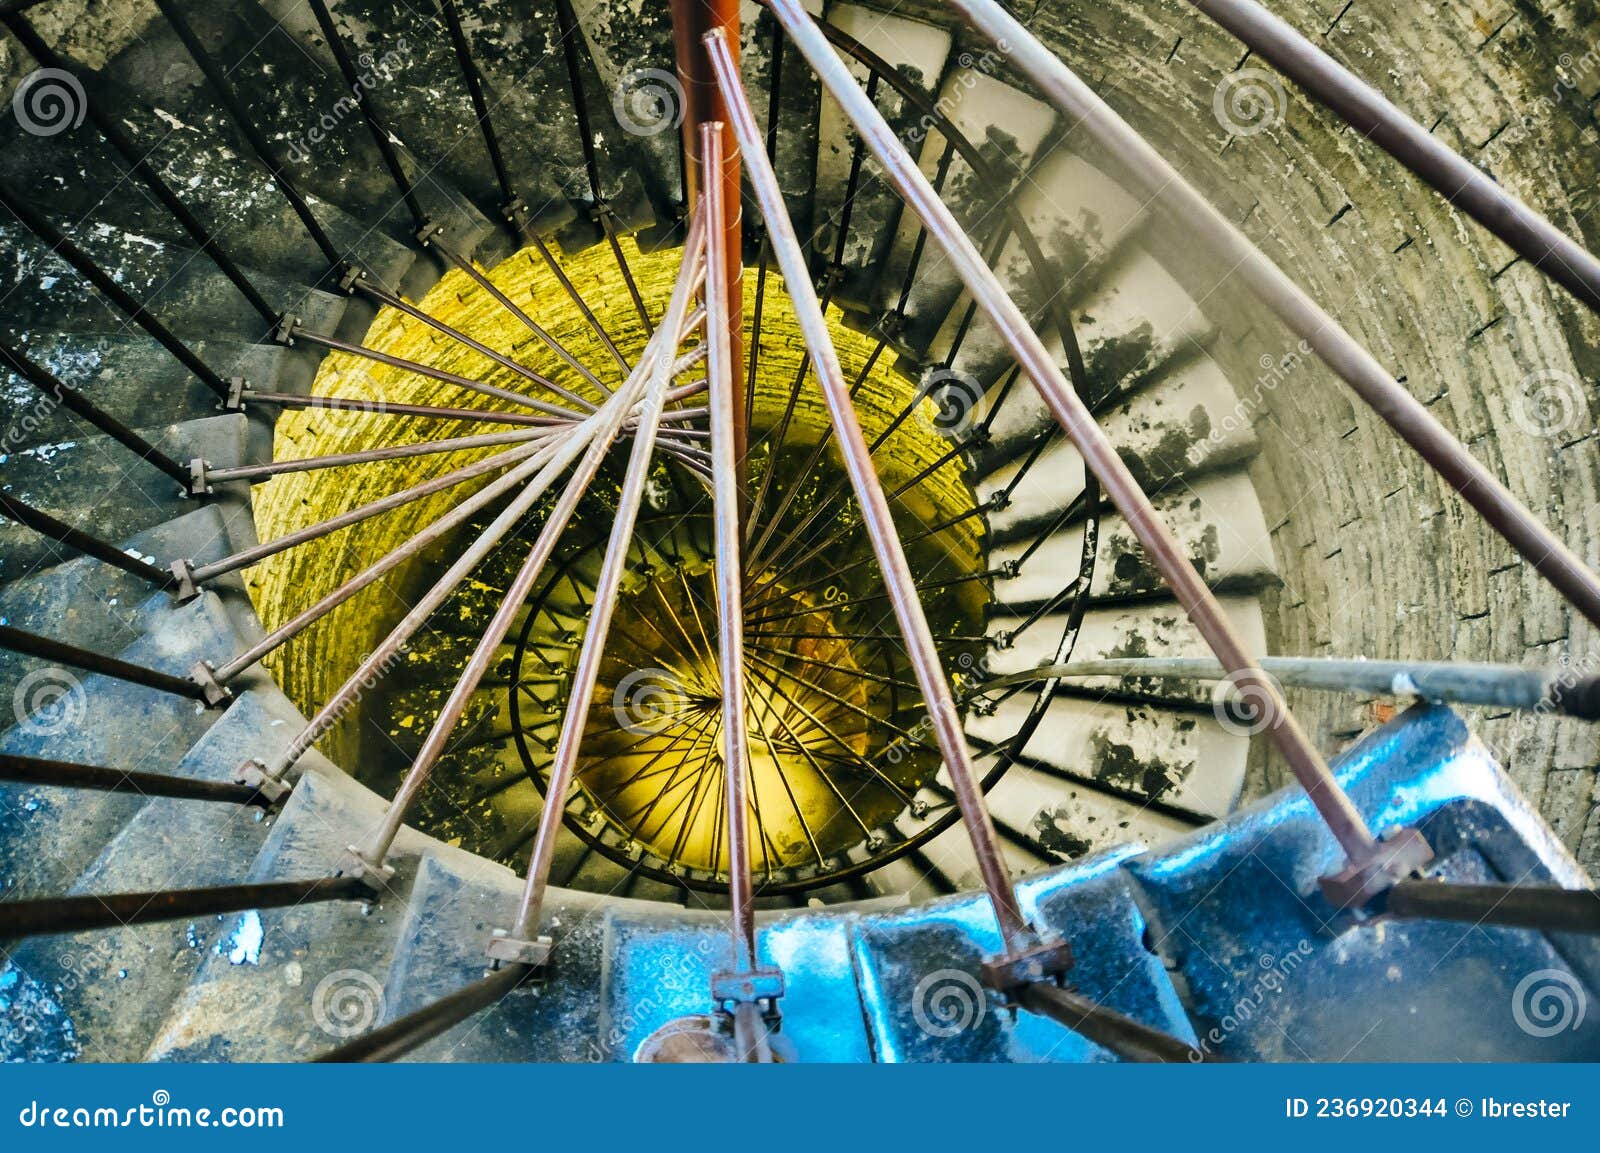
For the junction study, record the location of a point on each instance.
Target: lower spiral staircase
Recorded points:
(290, 284)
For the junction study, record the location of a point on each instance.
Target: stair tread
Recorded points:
(49, 835)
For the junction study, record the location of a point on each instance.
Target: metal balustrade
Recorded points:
(758, 548)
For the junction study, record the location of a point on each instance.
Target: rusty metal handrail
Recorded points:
(1364, 108)
(1370, 866)
(875, 513)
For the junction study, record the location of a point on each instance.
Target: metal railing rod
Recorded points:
(253, 555)
(602, 430)
(1129, 1039)
(46, 649)
(1153, 177)
(657, 363)
(400, 304)
(480, 106)
(115, 910)
(1546, 908)
(571, 38)
(412, 547)
(1449, 682)
(726, 417)
(79, 541)
(254, 472)
(396, 1039)
(134, 157)
(386, 408)
(381, 136)
(59, 245)
(296, 331)
(1069, 410)
(1458, 180)
(528, 322)
(582, 305)
(102, 778)
(259, 144)
(879, 521)
(73, 401)
(376, 662)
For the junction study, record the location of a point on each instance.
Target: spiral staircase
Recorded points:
(355, 276)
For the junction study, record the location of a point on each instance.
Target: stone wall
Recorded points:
(1379, 558)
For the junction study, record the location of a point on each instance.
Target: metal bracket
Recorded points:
(514, 210)
(509, 950)
(374, 877)
(428, 231)
(284, 333)
(198, 484)
(235, 399)
(1041, 961)
(254, 774)
(733, 987)
(204, 674)
(349, 277)
(183, 573)
(1397, 856)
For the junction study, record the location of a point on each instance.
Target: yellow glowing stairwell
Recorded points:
(317, 661)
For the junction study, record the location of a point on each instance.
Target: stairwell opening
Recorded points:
(840, 750)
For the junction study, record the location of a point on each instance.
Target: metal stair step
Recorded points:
(48, 835)
(94, 483)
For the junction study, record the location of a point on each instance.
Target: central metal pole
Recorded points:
(703, 105)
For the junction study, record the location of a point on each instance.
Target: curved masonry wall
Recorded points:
(1379, 558)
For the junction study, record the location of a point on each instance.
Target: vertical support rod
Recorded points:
(875, 514)
(691, 20)
(658, 363)
(1069, 410)
(722, 379)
